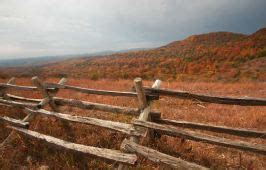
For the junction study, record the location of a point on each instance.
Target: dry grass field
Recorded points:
(32, 154)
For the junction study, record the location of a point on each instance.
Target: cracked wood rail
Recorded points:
(208, 98)
(29, 117)
(175, 132)
(159, 157)
(117, 126)
(108, 154)
(144, 106)
(14, 122)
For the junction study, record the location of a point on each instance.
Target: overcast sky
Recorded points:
(55, 27)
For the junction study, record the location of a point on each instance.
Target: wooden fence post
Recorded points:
(144, 115)
(3, 90)
(153, 134)
(140, 93)
(39, 84)
(48, 99)
(30, 116)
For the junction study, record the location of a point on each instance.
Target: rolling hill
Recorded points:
(214, 56)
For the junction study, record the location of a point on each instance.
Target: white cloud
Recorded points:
(37, 27)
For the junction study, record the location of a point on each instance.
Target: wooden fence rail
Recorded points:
(14, 122)
(172, 131)
(109, 154)
(209, 98)
(118, 126)
(220, 129)
(145, 125)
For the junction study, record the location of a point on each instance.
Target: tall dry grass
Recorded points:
(33, 154)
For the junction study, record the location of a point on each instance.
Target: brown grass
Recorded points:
(33, 154)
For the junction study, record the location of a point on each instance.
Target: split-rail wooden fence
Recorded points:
(145, 125)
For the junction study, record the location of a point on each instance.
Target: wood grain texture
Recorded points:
(209, 98)
(14, 122)
(96, 106)
(172, 131)
(108, 154)
(12, 135)
(17, 104)
(117, 126)
(220, 129)
(40, 85)
(91, 91)
(140, 93)
(160, 158)
(23, 98)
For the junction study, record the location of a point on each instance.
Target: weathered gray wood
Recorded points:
(23, 98)
(14, 122)
(159, 157)
(12, 80)
(61, 101)
(156, 84)
(17, 87)
(144, 115)
(53, 93)
(143, 105)
(63, 81)
(91, 91)
(5, 105)
(96, 106)
(108, 154)
(43, 103)
(39, 84)
(152, 133)
(117, 126)
(3, 93)
(140, 93)
(220, 129)
(48, 98)
(17, 104)
(209, 98)
(12, 135)
(172, 131)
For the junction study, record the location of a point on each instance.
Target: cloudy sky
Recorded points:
(54, 27)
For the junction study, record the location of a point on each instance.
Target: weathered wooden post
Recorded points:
(153, 134)
(144, 106)
(3, 89)
(28, 118)
(48, 99)
(37, 82)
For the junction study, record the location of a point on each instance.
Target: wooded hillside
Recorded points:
(213, 56)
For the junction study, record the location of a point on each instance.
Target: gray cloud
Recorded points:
(37, 27)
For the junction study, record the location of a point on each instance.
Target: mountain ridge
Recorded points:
(213, 56)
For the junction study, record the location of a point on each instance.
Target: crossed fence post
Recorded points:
(142, 124)
(144, 106)
(3, 90)
(48, 99)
